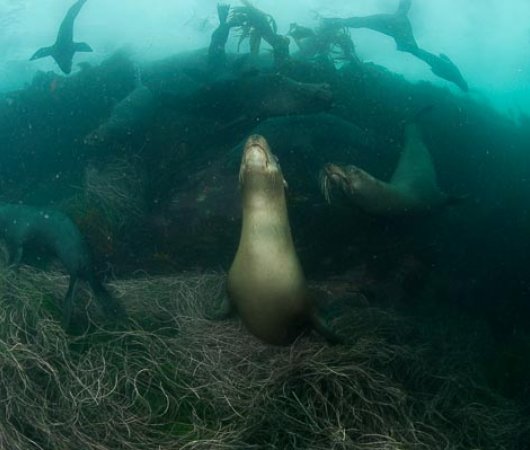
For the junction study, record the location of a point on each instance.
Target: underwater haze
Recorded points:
(488, 40)
(266, 225)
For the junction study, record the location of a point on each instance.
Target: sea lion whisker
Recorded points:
(324, 185)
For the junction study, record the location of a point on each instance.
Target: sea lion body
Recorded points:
(23, 225)
(64, 48)
(266, 282)
(411, 190)
(132, 113)
(256, 97)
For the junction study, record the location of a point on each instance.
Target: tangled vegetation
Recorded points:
(171, 378)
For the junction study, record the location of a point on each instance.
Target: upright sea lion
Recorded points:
(21, 225)
(64, 48)
(266, 282)
(443, 67)
(395, 25)
(411, 190)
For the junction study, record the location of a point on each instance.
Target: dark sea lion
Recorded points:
(411, 190)
(64, 48)
(266, 282)
(216, 50)
(130, 114)
(254, 97)
(395, 25)
(443, 67)
(22, 225)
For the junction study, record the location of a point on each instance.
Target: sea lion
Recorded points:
(132, 113)
(21, 225)
(411, 190)
(254, 97)
(443, 67)
(216, 50)
(266, 282)
(396, 25)
(64, 48)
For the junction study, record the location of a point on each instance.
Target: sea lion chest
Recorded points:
(266, 282)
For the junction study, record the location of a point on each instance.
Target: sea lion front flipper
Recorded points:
(42, 53)
(82, 47)
(320, 314)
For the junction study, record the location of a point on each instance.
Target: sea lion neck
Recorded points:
(263, 195)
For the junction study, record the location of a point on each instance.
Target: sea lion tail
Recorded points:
(42, 53)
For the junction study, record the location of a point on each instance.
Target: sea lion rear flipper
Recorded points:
(322, 327)
(42, 53)
(222, 308)
(68, 305)
(82, 47)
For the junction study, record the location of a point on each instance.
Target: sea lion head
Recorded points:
(346, 179)
(260, 170)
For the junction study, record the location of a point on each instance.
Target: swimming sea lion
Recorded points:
(411, 190)
(64, 48)
(21, 225)
(443, 67)
(395, 25)
(266, 282)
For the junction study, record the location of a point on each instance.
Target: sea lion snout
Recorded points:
(346, 179)
(257, 155)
